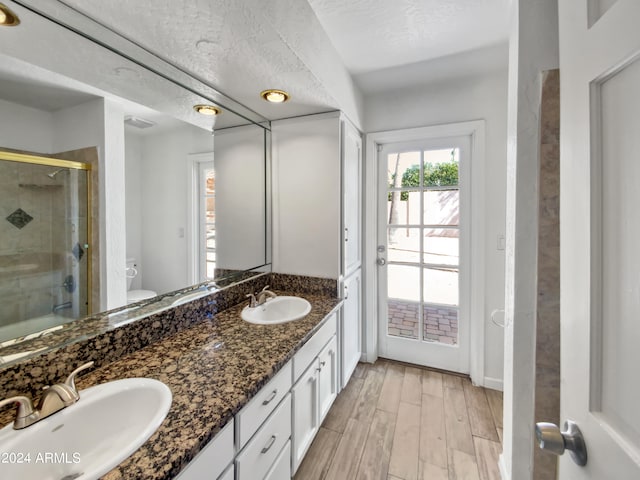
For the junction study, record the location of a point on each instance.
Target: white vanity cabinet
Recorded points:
(213, 459)
(350, 325)
(351, 198)
(327, 378)
(305, 413)
(315, 389)
(251, 445)
(269, 437)
(317, 214)
(230, 474)
(261, 453)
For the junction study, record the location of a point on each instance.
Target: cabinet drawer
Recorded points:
(213, 458)
(310, 350)
(260, 407)
(261, 452)
(282, 469)
(229, 474)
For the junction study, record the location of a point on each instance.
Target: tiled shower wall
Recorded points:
(29, 203)
(35, 253)
(547, 391)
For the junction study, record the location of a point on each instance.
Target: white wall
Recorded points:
(470, 98)
(100, 123)
(306, 195)
(240, 213)
(164, 180)
(533, 48)
(133, 201)
(25, 128)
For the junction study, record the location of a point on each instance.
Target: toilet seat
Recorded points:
(138, 295)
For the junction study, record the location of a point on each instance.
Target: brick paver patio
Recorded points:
(440, 323)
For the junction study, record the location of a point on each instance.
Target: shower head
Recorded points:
(53, 174)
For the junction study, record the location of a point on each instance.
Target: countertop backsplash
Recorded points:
(28, 377)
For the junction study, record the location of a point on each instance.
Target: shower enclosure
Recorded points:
(44, 241)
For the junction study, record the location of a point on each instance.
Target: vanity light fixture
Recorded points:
(275, 96)
(207, 110)
(7, 17)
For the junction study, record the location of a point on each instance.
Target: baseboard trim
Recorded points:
(494, 383)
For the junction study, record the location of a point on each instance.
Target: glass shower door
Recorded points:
(44, 244)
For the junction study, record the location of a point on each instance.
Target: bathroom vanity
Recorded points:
(248, 398)
(239, 389)
(269, 437)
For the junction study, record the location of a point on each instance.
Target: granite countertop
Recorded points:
(212, 369)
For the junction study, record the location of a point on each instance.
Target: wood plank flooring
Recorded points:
(399, 422)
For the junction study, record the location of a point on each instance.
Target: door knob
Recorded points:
(551, 439)
(381, 261)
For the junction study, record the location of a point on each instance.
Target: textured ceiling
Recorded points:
(470, 63)
(244, 46)
(34, 92)
(44, 57)
(376, 34)
(233, 45)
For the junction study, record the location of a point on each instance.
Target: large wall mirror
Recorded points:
(114, 190)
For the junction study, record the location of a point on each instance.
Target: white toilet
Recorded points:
(135, 295)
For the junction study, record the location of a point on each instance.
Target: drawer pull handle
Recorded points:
(269, 445)
(271, 397)
(322, 364)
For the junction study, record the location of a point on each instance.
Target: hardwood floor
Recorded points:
(398, 422)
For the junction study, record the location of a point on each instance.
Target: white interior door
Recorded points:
(423, 245)
(600, 228)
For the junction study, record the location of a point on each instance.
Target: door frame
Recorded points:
(194, 240)
(476, 130)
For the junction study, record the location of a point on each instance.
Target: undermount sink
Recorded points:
(277, 310)
(89, 438)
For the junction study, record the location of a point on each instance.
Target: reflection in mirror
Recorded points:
(114, 190)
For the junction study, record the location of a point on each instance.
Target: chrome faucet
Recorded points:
(264, 295)
(55, 398)
(260, 298)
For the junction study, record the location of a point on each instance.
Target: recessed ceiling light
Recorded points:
(275, 96)
(207, 110)
(7, 17)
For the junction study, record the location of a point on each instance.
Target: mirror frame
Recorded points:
(87, 28)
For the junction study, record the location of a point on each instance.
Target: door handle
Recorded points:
(381, 261)
(551, 439)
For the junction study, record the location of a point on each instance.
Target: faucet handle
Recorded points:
(252, 300)
(25, 410)
(71, 379)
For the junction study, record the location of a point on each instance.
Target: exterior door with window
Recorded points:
(422, 252)
(600, 227)
(207, 220)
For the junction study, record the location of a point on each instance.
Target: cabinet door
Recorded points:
(305, 413)
(350, 328)
(351, 197)
(327, 378)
